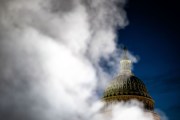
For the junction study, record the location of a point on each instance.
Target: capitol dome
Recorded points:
(126, 86)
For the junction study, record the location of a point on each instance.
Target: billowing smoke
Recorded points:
(50, 54)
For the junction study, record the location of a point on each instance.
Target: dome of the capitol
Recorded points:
(126, 86)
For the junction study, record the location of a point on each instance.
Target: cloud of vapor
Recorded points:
(131, 110)
(50, 54)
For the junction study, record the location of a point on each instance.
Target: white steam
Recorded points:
(131, 110)
(50, 53)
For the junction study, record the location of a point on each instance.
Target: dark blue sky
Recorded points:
(153, 35)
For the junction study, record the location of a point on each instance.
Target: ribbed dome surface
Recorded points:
(126, 87)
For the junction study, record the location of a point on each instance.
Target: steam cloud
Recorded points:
(50, 54)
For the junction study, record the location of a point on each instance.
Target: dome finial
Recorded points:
(125, 62)
(125, 48)
(124, 54)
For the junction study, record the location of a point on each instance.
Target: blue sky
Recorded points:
(153, 35)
